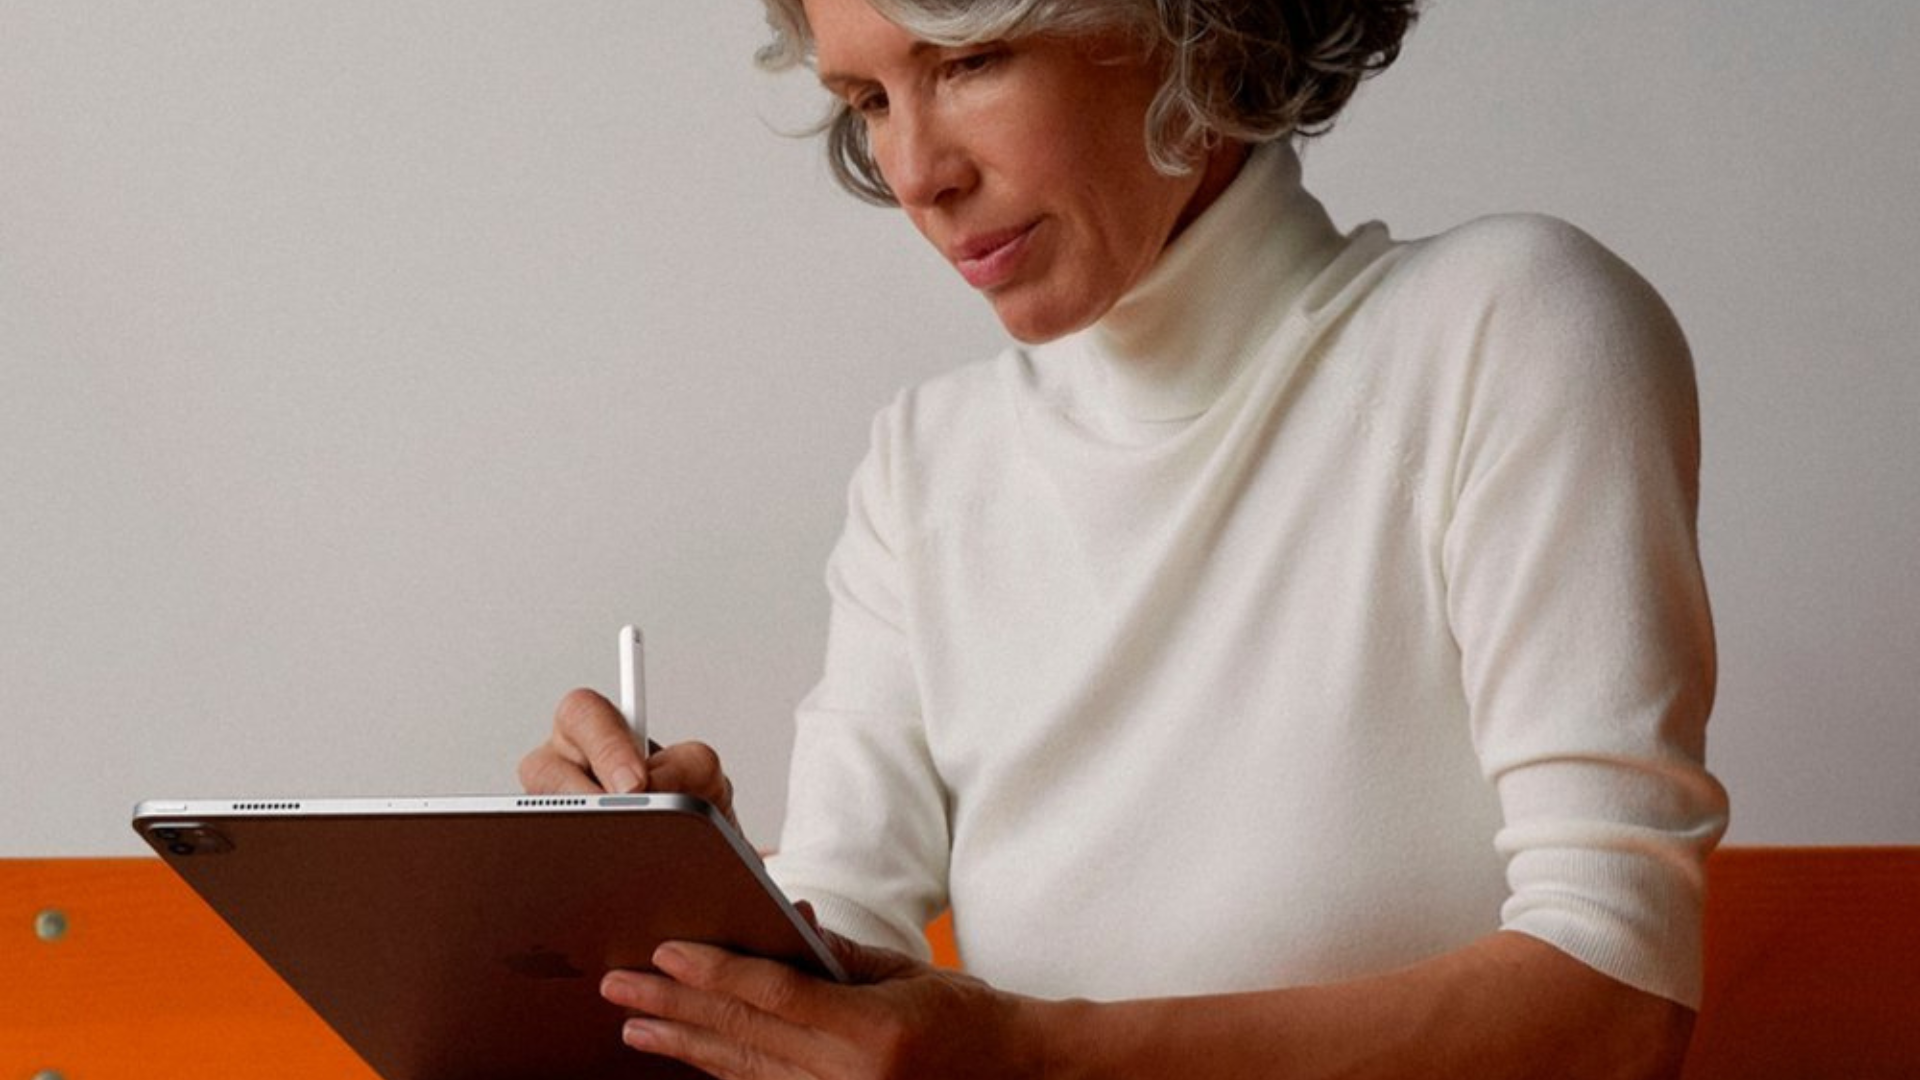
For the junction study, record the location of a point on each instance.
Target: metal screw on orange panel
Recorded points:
(50, 925)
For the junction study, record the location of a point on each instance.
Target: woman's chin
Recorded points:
(1033, 321)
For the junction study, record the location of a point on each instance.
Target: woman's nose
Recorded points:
(921, 161)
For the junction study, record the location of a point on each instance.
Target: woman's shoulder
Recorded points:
(960, 397)
(1538, 282)
(942, 443)
(1530, 316)
(1502, 250)
(962, 414)
(1526, 262)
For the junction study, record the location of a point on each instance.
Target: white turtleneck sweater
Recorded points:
(1330, 603)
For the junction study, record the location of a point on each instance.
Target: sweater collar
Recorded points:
(1169, 347)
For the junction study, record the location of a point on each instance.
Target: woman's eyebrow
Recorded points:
(839, 80)
(840, 84)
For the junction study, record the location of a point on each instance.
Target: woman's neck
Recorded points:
(1167, 349)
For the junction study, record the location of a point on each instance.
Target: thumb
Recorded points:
(867, 963)
(862, 963)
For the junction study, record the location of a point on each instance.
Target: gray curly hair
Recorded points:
(1247, 70)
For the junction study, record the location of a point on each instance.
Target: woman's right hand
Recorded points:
(591, 750)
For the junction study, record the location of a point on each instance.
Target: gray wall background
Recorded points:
(364, 365)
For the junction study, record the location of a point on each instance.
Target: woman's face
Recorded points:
(1024, 161)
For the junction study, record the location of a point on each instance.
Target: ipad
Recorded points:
(464, 938)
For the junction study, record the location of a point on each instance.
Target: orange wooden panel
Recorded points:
(1813, 966)
(145, 982)
(946, 953)
(1813, 970)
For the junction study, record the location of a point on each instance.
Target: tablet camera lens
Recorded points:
(167, 834)
(180, 848)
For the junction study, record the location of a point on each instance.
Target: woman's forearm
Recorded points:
(1505, 1006)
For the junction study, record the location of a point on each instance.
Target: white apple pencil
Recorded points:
(633, 684)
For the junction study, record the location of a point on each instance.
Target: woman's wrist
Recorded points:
(1061, 1040)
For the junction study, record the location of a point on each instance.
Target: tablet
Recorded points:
(464, 938)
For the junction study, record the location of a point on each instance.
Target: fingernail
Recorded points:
(638, 1033)
(669, 958)
(625, 780)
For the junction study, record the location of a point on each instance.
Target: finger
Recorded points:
(691, 768)
(767, 987)
(708, 1051)
(867, 963)
(805, 909)
(718, 1032)
(590, 730)
(546, 772)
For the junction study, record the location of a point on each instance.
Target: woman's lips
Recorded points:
(990, 259)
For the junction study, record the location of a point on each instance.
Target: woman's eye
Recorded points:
(869, 104)
(972, 63)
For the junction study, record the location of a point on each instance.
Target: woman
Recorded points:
(1296, 646)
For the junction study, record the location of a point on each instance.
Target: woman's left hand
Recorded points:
(742, 1018)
